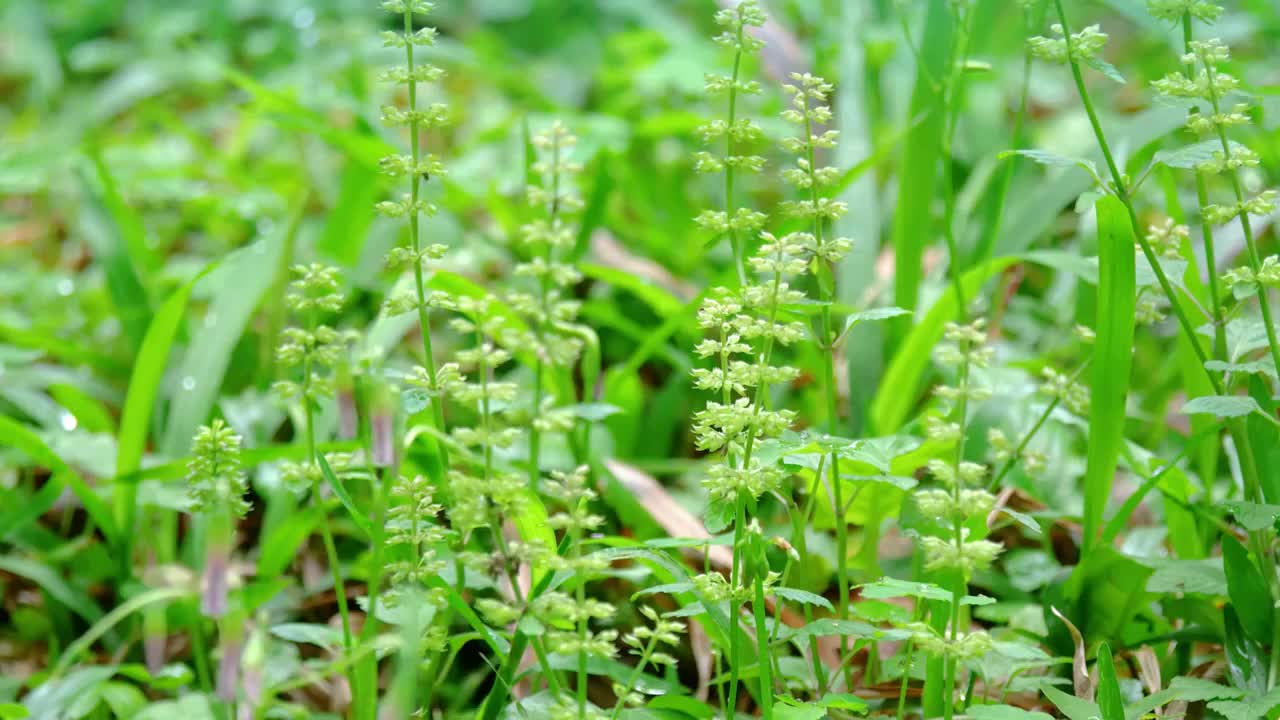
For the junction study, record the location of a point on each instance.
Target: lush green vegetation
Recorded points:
(572, 359)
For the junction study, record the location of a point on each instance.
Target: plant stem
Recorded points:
(827, 349)
(415, 241)
(764, 658)
(735, 576)
(739, 258)
(1122, 193)
(326, 533)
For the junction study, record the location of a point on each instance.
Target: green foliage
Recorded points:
(561, 394)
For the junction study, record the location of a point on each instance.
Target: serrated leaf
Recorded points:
(802, 597)
(1190, 157)
(1264, 366)
(1248, 709)
(849, 628)
(1193, 689)
(1050, 159)
(1205, 577)
(872, 315)
(1105, 68)
(1223, 406)
(1253, 516)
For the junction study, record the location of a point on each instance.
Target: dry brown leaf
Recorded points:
(1085, 684)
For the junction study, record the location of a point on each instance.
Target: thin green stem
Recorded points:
(326, 532)
(764, 658)
(1246, 225)
(415, 241)
(739, 259)
(735, 577)
(827, 350)
(1122, 193)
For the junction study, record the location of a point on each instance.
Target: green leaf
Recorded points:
(1112, 360)
(1073, 707)
(1205, 577)
(1049, 159)
(135, 420)
(308, 633)
(1190, 157)
(56, 695)
(807, 711)
(52, 583)
(114, 240)
(113, 618)
(13, 711)
(347, 224)
(802, 597)
(1248, 591)
(236, 288)
(1004, 712)
(1253, 516)
(281, 544)
(1223, 406)
(1245, 660)
(826, 627)
(1249, 709)
(341, 491)
(1107, 69)
(913, 217)
(872, 315)
(844, 701)
(1110, 700)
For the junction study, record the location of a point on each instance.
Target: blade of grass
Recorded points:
(918, 175)
(1117, 287)
(237, 287)
(144, 386)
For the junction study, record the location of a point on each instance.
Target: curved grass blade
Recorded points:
(135, 421)
(1117, 288)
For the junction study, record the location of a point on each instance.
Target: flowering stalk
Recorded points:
(1084, 46)
(217, 489)
(1203, 80)
(571, 490)
(418, 168)
(958, 502)
(547, 309)
(646, 642)
(317, 349)
(809, 109)
(738, 223)
(1211, 84)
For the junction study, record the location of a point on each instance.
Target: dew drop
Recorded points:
(68, 421)
(66, 287)
(188, 383)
